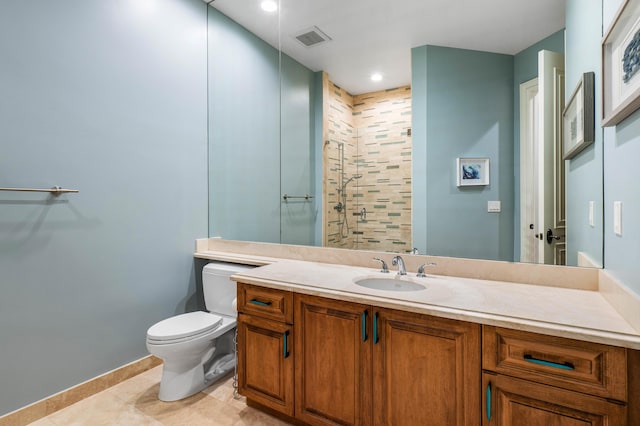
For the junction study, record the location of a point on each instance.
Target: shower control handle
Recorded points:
(363, 214)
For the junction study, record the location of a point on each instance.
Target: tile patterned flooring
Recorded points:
(134, 402)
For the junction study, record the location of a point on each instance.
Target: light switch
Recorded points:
(494, 206)
(591, 207)
(617, 217)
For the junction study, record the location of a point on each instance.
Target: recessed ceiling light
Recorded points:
(269, 6)
(376, 76)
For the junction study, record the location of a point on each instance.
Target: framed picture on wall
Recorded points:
(578, 118)
(472, 171)
(621, 65)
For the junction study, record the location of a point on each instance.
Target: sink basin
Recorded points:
(389, 284)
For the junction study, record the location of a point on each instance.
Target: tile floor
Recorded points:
(134, 402)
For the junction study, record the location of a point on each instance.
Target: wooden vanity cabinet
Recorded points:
(510, 401)
(333, 362)
(361, 365)
(534, 379)
(356, 364)
(426, 370)
(265, 342)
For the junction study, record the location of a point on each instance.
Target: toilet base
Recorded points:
(179, 383)
(187, 372)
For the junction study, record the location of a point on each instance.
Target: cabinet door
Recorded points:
(333, 362)
(509, 401)
(265, 362)
(426, 370)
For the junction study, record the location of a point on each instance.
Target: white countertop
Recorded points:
(564, 312)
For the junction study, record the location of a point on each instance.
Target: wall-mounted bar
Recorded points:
(56, 190)
(306, 196)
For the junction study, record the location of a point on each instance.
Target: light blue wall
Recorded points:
(297, 152)
(419, 90)
(318, 145)
(260, 139)
(621, 151)
(525, 68)
(107, 97)
(244, 133)
(584, 171)
(469, 113)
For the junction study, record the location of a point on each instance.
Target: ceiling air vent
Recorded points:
(312, 37)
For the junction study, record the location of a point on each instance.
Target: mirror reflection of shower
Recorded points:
(367, 153)
(341, 207)
(339, 187)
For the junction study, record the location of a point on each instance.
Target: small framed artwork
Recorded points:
(578, 118)
(472, 171)
(621, 65)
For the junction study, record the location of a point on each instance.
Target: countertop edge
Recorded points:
(534, 326)
(553, 329)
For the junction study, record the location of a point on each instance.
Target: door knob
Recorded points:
(551, 237)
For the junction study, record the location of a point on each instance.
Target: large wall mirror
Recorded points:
(415, 125)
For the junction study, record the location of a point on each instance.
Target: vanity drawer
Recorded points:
(566, 363)
(265, 302)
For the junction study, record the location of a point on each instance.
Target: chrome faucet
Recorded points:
(397, 261)
(385, 268)
(421, 273)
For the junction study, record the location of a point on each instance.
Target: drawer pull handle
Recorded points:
(364, 326)
(260, 303)
(489, 402)
(565, 366)
(285, 344)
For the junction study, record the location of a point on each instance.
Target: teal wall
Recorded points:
(318, 146)
(584, 172)
(621, 151)
(260, 139)
(468, 105)
(297, 152)
(525, 68)
(419, 147)
(109, 98)
(244, 133)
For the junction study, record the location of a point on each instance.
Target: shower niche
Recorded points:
(367, 169)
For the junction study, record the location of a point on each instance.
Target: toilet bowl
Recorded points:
(197, 348)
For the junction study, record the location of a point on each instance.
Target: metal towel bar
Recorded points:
(56, 190)
(306, 196)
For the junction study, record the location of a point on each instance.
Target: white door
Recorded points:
(529, 241)
(541, 166)
(550, 176)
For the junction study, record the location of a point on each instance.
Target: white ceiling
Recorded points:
(377, 36)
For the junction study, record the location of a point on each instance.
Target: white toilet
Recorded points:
(197, 348)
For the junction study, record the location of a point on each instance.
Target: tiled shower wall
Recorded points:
(338, 136)
(377, 144)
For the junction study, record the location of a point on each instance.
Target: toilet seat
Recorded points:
(183, 327)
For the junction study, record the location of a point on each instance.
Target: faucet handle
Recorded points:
(385, 268)
(421, 273)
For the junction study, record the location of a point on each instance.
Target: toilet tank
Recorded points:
(219, 291)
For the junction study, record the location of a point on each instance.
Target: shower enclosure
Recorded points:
(367, 169)
(367, 196)
(341, 193)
